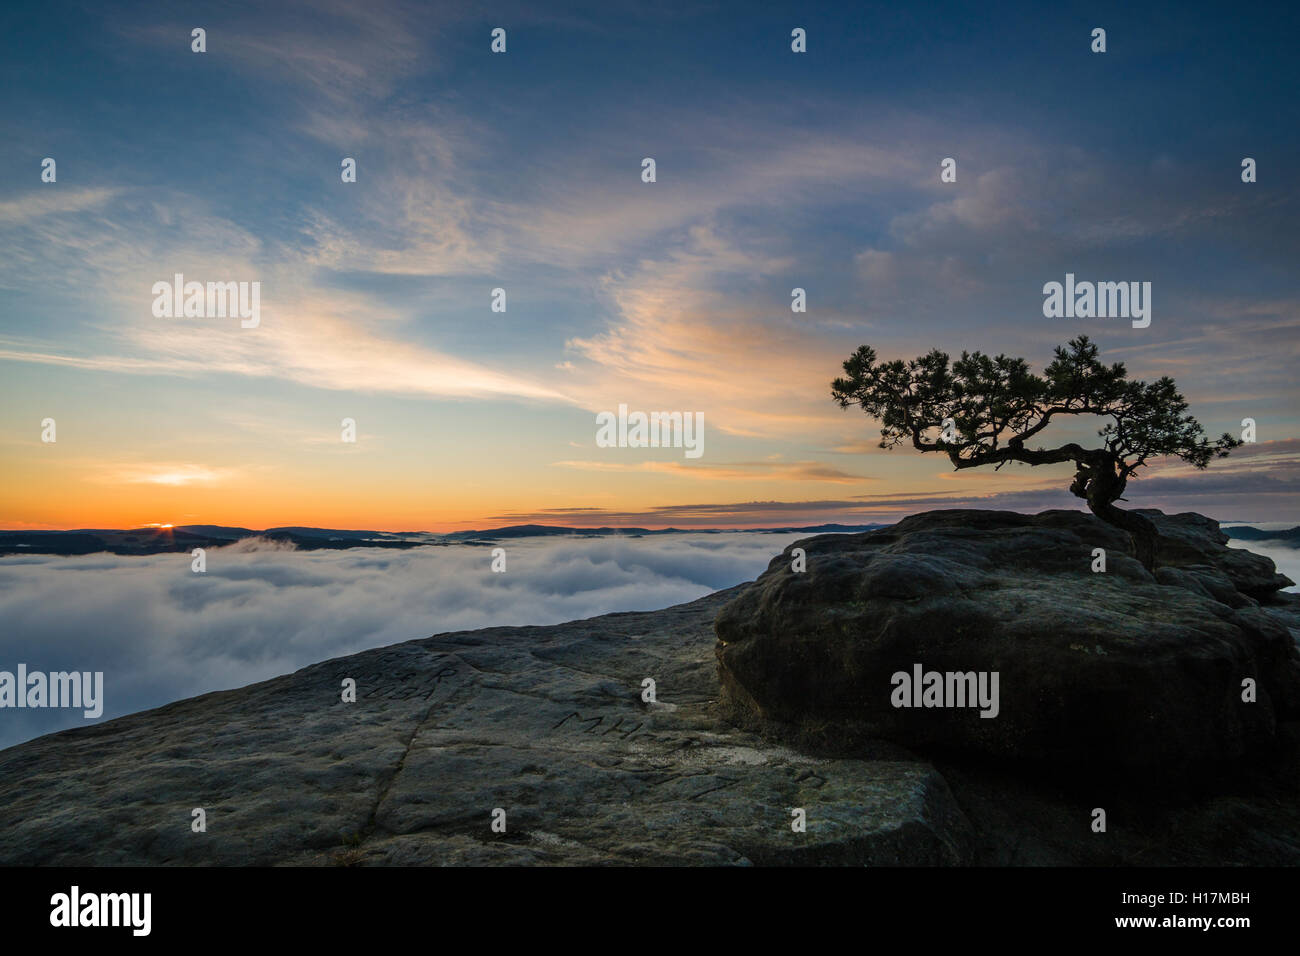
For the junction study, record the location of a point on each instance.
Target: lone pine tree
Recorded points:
(983, 410)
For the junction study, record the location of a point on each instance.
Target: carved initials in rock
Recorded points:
(406, 684)
(624, 731)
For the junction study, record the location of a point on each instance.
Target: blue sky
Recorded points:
(522, 170)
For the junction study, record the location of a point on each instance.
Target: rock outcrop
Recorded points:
(1118, 670)
(1117, 675)
(1193, 545)
(545, 723)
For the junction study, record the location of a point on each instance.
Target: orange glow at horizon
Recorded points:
(50, 500)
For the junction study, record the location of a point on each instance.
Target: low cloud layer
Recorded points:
(1286, 559)
(160, 632)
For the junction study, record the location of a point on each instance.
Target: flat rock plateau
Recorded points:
(549, 725)
(546, 723)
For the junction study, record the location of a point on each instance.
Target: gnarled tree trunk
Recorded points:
(1100, 483)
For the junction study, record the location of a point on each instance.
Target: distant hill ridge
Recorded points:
(187, 537)
(1289, 538)
(184, 538)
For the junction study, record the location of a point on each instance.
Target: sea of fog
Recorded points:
(160, 632)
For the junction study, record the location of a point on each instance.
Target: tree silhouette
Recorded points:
(985, 409)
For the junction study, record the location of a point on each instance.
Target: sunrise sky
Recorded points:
(522, 170)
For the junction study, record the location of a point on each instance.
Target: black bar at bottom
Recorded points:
(650, 907)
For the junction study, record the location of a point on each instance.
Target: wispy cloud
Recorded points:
(477, 171)
(743, 470)
(45, 203)
(171, 473)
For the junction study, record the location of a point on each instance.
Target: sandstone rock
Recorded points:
(1117, 674)
(546, 723)
(1193, 541)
